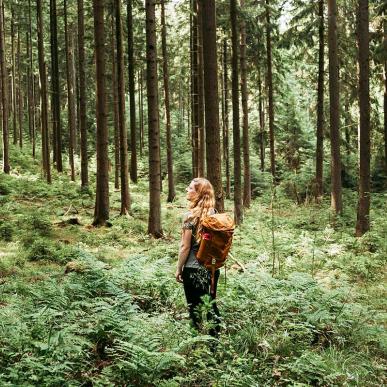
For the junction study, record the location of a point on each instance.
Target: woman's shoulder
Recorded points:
(187, 220)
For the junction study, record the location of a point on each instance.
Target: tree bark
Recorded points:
(211, 98)
(115, 112)
(124, 174)
(171, 183)
(261, 121)
(70, 75)
(385, 90)
(56, 122)
(238, 209)
(31, 89)
(154, 221)
(363, 208)
(141, 109)
(101, 212)
(226, 147)
(200, 96)
(244, 93)
(82, 95)
(43, 94)
(334, 98)
(19, 90)
(4, 93)
(132, 102)
(270, 90)
(14, 109)
(320, 106)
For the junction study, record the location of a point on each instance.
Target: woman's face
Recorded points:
(191, 191)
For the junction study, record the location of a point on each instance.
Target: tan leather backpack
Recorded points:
(216, 239)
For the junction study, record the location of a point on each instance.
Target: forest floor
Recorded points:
(100, 306)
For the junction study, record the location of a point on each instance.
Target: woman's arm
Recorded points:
(185, 246)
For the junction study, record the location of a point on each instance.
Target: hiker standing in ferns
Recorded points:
(196, 278)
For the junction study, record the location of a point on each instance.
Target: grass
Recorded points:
(100, 306)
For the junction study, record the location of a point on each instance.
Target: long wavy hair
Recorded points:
(203, 201)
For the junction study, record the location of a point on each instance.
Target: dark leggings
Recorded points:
(196, 285)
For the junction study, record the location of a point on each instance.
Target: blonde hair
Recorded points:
(202, 202)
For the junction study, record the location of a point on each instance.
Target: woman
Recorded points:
(195, 278)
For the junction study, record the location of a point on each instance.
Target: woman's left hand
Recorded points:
(178, 276)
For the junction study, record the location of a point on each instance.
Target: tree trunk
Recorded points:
(200, 96)
(363, 208)
(124, 174)
(195, 90)
(56, 122)
(14, 109)
(43, 94)
(141, 109)
(226, 150)
(82, 95)
(19, 90)
(261, 121)
(4, 93)
(70, 72)
(246, 143)
(238, 209)
(133, 137)
(171, 184)
(320, 106)
(154, 221)
(101, 212)
(31, 89)
(270, 90)
(385, 90)
(211, 99)
(334, 109)
(115, 113)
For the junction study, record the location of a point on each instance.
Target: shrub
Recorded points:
(38, 223)
(6, 231)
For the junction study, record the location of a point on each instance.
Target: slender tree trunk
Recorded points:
(31, 78)
(4, 93)
(82, 95)
(238, 209)
(141, 109)
(195, 90)
(19, 90)
(70, 72)
(171, 184)
(133, 136)
(14, 109)
(226, 147)
(244, 93)
(115, 113)
(200, 97)
(211, 98)
(261, 121)
(124, 174)
(55, 100)
(334, 98)
(270, 90)
(363, 208)
(320, 106)
(101, 212)
(154, 221)
(29, 90)
(43, 94)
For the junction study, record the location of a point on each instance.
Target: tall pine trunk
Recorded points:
(4, 93)
(171, 184)
(320, 106)
(82, 95)
(385, 90)
(226, 147)
(261, 111)
(132, 102)
(238, 209)
(13, 87)
(19, 90)
(43, 94)
(101, 211)
(270, 89)
(154, 221)
(55, 89)
(246, 143)
(334, 109)
(124, 174)
(211, 98)
(363, 208)
(70, 75)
